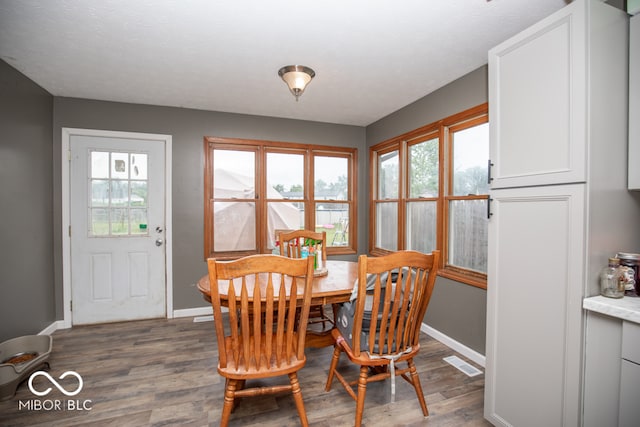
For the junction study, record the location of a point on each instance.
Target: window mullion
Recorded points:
(261, 202)
(309, 192)
(441, 208)
(403, 194)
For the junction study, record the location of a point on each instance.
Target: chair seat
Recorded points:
(365, 359)
(266, 368)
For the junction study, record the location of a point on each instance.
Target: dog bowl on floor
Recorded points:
(19, 358)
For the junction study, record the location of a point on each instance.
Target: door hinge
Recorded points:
(71, 305)
(69, 231)
(69, 155)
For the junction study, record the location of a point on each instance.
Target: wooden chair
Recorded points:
(291, 244)
(392, 297)
(263, 334)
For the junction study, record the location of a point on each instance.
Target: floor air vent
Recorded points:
(463, 366)
(203, 319)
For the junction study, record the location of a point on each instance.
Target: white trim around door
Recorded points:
(67, 133)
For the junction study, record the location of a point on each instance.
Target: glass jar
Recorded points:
(633, 262)
(611, 280)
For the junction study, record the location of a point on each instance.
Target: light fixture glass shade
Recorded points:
(296, 77)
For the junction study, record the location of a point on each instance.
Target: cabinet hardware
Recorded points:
(489, 164)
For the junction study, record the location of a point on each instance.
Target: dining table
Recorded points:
(332, 285)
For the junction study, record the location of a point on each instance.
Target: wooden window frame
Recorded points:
(262, 148)
(443, 129)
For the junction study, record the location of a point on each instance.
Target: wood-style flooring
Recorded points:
(163, 373)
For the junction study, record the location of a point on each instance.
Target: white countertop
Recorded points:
(626, 308)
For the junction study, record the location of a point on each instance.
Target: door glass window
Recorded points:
(118, 199)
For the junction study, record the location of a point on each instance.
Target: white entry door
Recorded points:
(117, 205)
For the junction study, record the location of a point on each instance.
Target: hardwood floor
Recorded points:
(163, 372)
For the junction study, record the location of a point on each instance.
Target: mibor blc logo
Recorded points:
(55, 383)
(56, 404)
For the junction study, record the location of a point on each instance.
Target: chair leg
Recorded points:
(297, 397)
(362, 391)
(415, 379)
(324, 321)
(229, 397)
(332, 367)
(236, 400)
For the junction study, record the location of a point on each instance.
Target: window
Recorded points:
(118, 202)
(388, 196)
(430, 191)
(255, 188)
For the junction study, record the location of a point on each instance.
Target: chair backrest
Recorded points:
(393, 294)
(279, 285)
(291, 243)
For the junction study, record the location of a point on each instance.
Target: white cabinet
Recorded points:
(603, 342)
(537, 101)
(533, 335)
(630, 375)
(629, 384)
(612, 362)
(558, 126)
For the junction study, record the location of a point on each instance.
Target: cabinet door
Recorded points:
(534, 300)
(537, 99)
(629, 388)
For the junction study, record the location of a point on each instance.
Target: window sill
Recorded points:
(340, 250)
(466, 278)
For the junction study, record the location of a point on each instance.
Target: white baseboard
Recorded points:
(58, 324)
(188, 312)
(193, 312)
(454, 345)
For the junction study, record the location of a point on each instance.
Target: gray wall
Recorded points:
(27, 305)
(188, 127)
(456, 309)
(30, 173)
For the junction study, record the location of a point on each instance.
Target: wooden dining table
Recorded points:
(331, 287)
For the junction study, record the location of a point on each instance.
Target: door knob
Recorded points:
(159, 242)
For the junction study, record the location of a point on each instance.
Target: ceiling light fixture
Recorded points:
(297, 77)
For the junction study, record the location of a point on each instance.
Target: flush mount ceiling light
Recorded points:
(297, 77)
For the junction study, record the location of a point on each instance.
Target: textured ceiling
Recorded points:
(371, 57)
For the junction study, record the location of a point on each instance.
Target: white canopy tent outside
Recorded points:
(235, 221)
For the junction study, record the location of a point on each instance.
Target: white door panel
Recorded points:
(534, 305)
(537, 103)
(117, 199)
